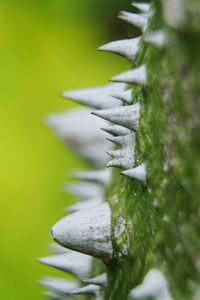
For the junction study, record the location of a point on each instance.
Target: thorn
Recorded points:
(124, 140)
(100, 176)
(116, 130)
(123, 159)
(127, 48)
(97, 97)
(124, 96)
(100, 280)
(75, 263)
(138, 173)
(143, 7)
(138, 20)
(136, 76)
(87, 204)
(58, 285)
(157, 38)
(126, 116)
(86, 231)
(153, 286)
(85, 290)
(84, 191)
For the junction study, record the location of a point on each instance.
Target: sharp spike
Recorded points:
(136, 76)
(97, 97)
(87, 204)
(86, 231)
(126, 96)
(126, 116)
(74, 263)
(116, 130)
(127, 48)
(85, 290)
(138, 20)
(124, 140)
(153, 286)
(138, 173)
(143, 7)
(58, 285)
(100, 176)
(84, 137)
(123, 159)
(158, 39)
(99, 280)
(84, 190)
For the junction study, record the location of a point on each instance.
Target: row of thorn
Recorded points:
(85, 234)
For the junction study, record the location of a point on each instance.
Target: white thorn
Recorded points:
(143, 7)
(58, 285)
(84, 191)
(124, 96)
(84, 137)
(138, 20)
(127, 48)
(100, 280)
(124, 140)
(126, 116)
(100, 176)
(136, 76)
(153, 286)
(87, 204)
(138, 173)
(86, 231)
(97, 97)
(85, 290)
(116, 130)
(123, 158)
(157, 38)
(74, 263)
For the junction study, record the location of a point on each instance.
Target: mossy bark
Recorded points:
(161, 219)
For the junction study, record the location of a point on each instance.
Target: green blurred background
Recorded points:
(45, 47)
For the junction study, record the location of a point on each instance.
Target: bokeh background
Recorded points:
(46, 46)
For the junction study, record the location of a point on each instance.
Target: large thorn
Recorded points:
(157, 38)
(116, 130)
(136, 76)
(85, 290)
(87, 204)
(138, 20)
(124, 140)
(58, 285)
(100, 280)
(84, 190)
(84, 137)
(143, 7)
(100, 176)
(127, 48)
(86, 231)
(75, 263)
(127, 116)
(154, 286)
(126, 96)
(98, 97)
(138, 173)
